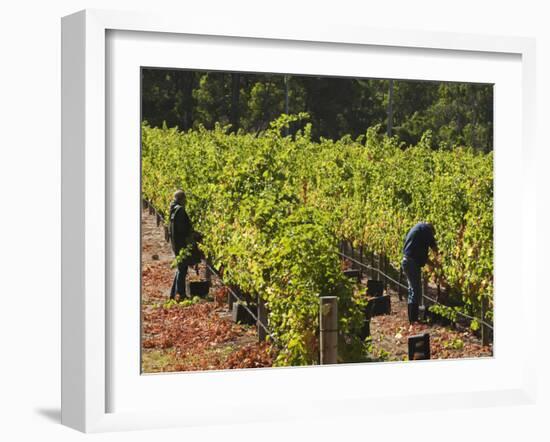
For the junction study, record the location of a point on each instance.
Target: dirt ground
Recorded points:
(197, 335)
(390, 334)
(200, 335)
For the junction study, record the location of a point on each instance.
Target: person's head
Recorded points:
(179, 197)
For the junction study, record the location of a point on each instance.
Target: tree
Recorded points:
(455, 113)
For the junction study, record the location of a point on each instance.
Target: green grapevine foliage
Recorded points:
(272, 209)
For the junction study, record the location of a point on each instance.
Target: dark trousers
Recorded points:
(412, 272)
(178, 286)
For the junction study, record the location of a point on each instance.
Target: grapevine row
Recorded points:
(272, 210)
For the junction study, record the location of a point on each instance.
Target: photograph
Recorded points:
(301, 220)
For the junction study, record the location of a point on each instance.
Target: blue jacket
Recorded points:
(417, 242)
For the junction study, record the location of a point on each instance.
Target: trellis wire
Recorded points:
(369, 267)
(237, 298)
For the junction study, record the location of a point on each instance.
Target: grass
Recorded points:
(155, 361)
(165, 360)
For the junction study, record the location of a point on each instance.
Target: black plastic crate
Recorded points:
(241, 315)
(375, 287)
(419, 347)
(198, 288)
(353, 274)
(381, 305)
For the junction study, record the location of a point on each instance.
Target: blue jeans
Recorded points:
(178, 286)
(412, 272)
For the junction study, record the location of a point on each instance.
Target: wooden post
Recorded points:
(207, 272)
(372, 272)
(328, 328)
(399, 288)
(386, 267)
(380, 277)
(484, 328)
(158, 219)
(262, 318)
(424, 289)
(203, 270)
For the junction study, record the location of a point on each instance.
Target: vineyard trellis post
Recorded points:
(262, 319)
(484, 328)
(386, 267)
(205, 274)
(328, 329)
(424, 289)
(230, 300)
(399, 288)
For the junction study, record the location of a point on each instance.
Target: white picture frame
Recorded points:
(87, 231)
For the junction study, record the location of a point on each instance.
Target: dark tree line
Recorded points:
(456, 113)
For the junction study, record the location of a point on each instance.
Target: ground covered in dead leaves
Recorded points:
(196, 335)
(390, 334)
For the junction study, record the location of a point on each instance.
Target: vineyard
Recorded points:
(273, 211)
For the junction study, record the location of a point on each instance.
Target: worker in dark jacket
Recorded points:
(181, 232)
(415, 255)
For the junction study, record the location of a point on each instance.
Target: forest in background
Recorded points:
(456, 114)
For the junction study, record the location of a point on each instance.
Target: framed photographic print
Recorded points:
(311, 216)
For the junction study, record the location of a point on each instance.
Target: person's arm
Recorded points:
(433, 245)
(187, 227)
(436, 261)
(430, 239)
